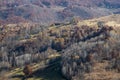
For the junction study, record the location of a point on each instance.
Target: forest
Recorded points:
(79, 47)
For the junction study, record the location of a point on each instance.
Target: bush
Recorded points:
(27, 70)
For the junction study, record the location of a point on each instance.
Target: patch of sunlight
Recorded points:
(112, 23)
(54, 55)
(35, 79)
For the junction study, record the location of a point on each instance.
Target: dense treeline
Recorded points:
(82, 46)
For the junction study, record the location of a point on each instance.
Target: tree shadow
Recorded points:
(52, 72)
(49, 73)
(22, 77)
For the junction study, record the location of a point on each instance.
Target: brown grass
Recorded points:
(99, 73)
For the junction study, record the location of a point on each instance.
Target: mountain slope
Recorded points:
(50, 11)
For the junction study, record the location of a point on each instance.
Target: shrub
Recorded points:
(27, 70)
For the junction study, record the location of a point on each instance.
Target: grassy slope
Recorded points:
(112, 20)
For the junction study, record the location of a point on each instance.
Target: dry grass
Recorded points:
(112, 20)
(99, 73)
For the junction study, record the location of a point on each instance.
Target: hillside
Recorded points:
(59, 39)
(103, 3)
(50, 11)
(70, 50)
(111, 20)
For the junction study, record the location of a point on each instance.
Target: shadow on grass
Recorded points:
(49, 73)
(21, 77)
(52, 72)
